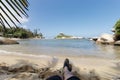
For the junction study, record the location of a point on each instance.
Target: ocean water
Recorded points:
(65, 47)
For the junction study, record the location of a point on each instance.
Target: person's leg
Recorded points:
(68, 75)
(67, 68)
(56, 77)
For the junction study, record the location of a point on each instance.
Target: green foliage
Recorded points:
(38, 35)
(61, 35)
(117, 27)
(0, 28)
(19, 33)
(117, 30)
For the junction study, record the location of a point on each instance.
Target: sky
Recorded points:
(85, 18)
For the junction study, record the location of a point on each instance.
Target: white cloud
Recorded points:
(22, 20)
(24, 26)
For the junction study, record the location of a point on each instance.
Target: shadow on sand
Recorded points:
(25, 70)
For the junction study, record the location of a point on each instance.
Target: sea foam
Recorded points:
(3, 52)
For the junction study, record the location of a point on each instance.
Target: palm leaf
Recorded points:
(11, 9)
(1, 22)
(4, 20)
(19, 8)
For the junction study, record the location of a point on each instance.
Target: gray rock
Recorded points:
(117, 43)
(105, 39)
(7, 41)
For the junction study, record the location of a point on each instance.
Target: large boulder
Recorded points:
(117, 43)
(94, 38)
(106, 39)
(7, 41)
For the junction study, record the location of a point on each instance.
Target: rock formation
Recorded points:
(105, 39)
(7, 41)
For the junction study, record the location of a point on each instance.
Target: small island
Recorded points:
(64, 36)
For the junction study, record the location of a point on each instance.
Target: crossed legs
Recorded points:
(67, 68)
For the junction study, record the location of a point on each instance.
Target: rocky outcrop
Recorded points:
(7, 41)
(117, 43)
(93, 38)
(105, 39)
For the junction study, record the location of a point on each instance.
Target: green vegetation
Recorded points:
(19, 33)
(62, 36)
(117, 30)
(12, 10)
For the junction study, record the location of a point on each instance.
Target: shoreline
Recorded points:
(83, 65)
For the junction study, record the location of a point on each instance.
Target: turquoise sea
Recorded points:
(64, 47)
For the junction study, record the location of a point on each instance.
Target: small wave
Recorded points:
(6, 52)
(2, 52)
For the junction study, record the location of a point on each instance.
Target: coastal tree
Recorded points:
(38, 34)
(117, 30)
(11, 10)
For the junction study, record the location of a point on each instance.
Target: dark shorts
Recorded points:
(73, 78)
(56, 77)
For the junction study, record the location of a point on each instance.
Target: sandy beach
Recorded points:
(104, 68)
(38, 38)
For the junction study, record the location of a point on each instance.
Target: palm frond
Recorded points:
(19, 8)
(3, 25)
(11, 11)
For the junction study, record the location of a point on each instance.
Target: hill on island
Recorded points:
(63, 36)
